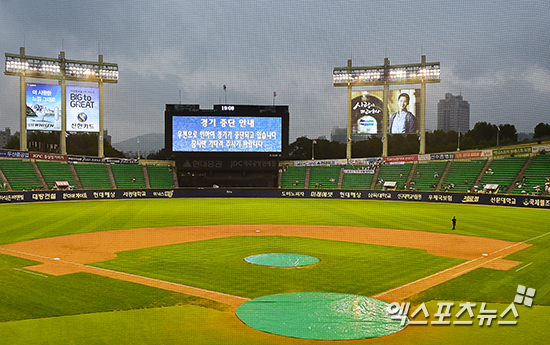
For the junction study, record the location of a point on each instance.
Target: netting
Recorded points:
(282, 260)
(320, 316)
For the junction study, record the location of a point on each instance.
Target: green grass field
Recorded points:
(84, 308)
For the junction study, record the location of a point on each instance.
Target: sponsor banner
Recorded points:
(442, 156)
(364, 161)
(14, 154)
(320, 162)
(48, 156)
(449, 198)
(82, 109)
(84, 159)
(424, 157)
(367, 109)
(359, 171)
(121, 161)
(512, 151)
(470, 154)
(401, 158)
(43, 107)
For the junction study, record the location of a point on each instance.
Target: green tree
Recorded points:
(159, 155)
(542, 130)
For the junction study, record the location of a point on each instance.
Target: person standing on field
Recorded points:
(454, 222)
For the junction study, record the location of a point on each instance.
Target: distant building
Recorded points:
(107, 137)
(5, 137)
(453, 114)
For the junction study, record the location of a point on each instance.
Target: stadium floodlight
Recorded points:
(379, 75)
(386, 75)
(41, 67)
(59, 68)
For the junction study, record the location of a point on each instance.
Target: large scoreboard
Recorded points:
(228, 140)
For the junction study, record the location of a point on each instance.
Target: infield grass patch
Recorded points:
(219, 265)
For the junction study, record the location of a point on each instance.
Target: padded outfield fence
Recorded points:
(118, 194)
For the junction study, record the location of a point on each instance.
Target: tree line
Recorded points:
(483, 135)
(83, 144)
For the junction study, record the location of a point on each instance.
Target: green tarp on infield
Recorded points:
(282, 259)
(320, 316)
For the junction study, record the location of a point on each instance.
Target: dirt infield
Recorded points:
(72, 253)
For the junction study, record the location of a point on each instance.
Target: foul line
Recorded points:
(537, 237)
(476, 266)
(122, 273)
(30, 272)
(427, 277)
(529, 264)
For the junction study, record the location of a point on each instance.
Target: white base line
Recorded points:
(30, 272)
(122, 273)
(519, 269)
(473, 268)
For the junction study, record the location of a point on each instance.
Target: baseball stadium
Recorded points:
(126, 255)
(228, 242)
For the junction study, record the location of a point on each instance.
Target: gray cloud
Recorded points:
(496, 55)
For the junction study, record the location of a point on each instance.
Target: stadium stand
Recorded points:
(428, 175)
(324, 177)
(357, 181)
(160, 176)
(93, 176)
(503, 171)
(55, 171)
(293, 177)
(20, 174)
(128, 176)
(463, 174)
(394, 173)
(535, 175)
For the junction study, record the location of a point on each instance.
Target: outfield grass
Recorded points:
(28, 296)
(23, 222)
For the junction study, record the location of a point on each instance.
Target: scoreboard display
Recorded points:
(226, 134)
(237, 129)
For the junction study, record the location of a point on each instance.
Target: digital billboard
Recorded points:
(82, 106)
(402, 108)
(226, 134)
(43, 107)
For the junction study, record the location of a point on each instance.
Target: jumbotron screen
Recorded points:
(226, 134)
(227, 129)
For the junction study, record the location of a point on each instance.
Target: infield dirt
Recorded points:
(71, 254)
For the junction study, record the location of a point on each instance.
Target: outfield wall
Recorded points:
(120, 194)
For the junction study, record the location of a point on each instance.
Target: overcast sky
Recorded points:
(495, 53)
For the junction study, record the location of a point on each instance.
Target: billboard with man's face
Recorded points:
(367, 108)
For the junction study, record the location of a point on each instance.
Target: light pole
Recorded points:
(386, 75)
(61, 69)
